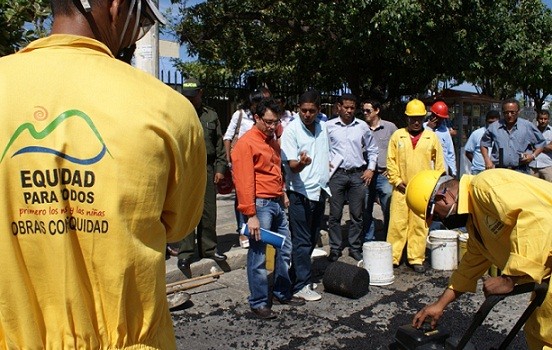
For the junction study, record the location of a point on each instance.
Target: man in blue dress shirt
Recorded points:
(511, 143)
(350, 140)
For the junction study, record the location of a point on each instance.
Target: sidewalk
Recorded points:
(229, 245)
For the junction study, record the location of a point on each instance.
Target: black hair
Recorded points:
(268, 104)
(375, 103)
(347, 97)
(493, 113)
(512, 100)
(544, 111)
(311, 96)
(255, 96)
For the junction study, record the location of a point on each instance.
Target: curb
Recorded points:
(237, 258)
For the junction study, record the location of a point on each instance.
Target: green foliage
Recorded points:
(382, 48)
(20, 22)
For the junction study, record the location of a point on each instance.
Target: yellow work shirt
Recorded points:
(509, 226)
(101, 164)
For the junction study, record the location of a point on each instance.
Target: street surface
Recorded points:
(218, 317)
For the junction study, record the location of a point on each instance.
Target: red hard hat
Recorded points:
(440, 109)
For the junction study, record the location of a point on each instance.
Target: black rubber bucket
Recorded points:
(346, 280)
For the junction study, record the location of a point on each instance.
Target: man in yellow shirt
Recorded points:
(411, 150)
(507, 215)
(100, 166)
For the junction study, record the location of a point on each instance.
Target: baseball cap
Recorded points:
(190, 87)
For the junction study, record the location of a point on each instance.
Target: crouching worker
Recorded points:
(507, 216)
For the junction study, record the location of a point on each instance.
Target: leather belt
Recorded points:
(352, 170)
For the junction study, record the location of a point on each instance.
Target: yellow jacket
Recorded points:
(403, 161)
(101, 164)
(509, 226)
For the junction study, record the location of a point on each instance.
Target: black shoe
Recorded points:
(334, 255)
(294, 301)
(355, 255)
(419, 268)
(217, 257)
(184, 264)
(264, 313)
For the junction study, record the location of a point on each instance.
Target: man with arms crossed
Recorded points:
(98, 174)
(306, 156)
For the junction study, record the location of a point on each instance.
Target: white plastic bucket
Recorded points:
(377, 259)
(462, 245)
(444, 249)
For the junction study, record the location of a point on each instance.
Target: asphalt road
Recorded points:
(218, 317)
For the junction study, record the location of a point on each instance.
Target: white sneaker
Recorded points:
(308, 294)
(244, 241)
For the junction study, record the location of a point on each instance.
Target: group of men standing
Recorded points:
(347, 161)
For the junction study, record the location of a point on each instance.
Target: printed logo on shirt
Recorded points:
(40, 115)
(494, 225)
(61, 199)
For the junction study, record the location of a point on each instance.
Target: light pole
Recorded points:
(146, 56)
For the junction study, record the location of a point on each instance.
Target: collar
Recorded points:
(503, 124)
(463, 190)
(378, 126)
(72, 41)
(340, 122)
(258, 134)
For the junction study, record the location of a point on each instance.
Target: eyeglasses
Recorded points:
(431, 205)
(509, 112)
(367, 110)
(271, 122)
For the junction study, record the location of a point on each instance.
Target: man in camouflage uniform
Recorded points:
(205, 232)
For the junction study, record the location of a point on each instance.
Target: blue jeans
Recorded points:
(271, 217)
(240, 218)
(380, 187)
(305, 218)
(346, 186)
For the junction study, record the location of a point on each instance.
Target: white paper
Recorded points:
(335, 162)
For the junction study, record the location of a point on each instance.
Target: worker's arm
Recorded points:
(435, 310)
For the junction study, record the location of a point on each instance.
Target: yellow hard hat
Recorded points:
(421, 190)
(415, 108)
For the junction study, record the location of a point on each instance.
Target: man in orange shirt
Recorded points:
(257, 172)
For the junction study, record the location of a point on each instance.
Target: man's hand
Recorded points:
(435, 311)
(254, 227)
(489, 164)
(498, 285)
(367, 176)
(218, 177)
(432, 123)
(285, 200)
(525, 158)
(401, 188)
(304, 158)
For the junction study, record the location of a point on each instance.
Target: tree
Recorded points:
(20, 22)
(513, 51)
(382, 48)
